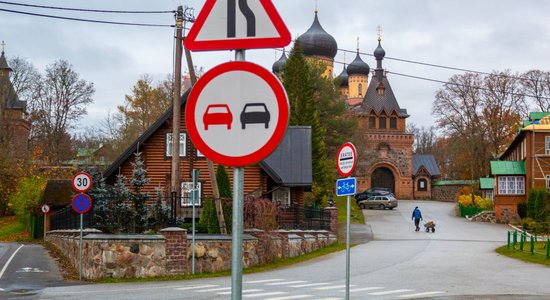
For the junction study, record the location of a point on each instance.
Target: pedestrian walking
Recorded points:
(417, 216)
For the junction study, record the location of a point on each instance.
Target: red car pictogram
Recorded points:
(217, 114)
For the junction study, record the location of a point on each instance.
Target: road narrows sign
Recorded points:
(346, 159)
(237, 113)
(82, 182)
(232, 24)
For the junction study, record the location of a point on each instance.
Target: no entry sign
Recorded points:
(237, 113)
(346, 159)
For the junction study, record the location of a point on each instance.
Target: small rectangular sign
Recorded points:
(346, 186)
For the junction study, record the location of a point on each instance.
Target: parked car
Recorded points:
(381, 202)
(376, 191)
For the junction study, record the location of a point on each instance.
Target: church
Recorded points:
(384, 148)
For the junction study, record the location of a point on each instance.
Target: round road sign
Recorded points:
(45, 208)
(81, 203)
(82, 182)
(237, 113)
(346, 159)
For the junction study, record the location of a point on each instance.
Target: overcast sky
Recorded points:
(482, 35)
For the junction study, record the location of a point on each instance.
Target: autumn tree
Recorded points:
(59, 100)
(425, 138)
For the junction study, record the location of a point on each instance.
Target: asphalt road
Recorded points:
(456, 262)
(25, 269)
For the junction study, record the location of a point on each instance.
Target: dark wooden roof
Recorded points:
(426, 161)
(380, 102)
(58, 193)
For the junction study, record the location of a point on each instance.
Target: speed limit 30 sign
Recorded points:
(82, 182)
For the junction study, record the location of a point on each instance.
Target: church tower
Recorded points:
(319, 46)
(385, 148)
(358, 79)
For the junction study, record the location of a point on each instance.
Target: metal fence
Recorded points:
(67, 218)
(517, 241)
(307, 218)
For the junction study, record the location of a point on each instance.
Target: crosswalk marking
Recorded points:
(389, 292)
(263, 294)
(196, 287)
(291, 297)
(263, 281)
(214, 290)
(286, 282)
(333, 287)
(244, 291)
(364, 289)
(309, 284)
(421, 294)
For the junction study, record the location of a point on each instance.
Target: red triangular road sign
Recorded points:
(237, 24)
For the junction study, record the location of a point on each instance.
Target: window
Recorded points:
(382, 122)
(489, 194)
(168, 150)
(282, 195)
(547, 144)
(548, 182)
(393, 123)
(360, 89)
(511, 185)
(422, 185)
(372, 122)
(186, 194)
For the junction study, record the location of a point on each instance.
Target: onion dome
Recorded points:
(317, 42)
(358, 67)
(343, 78)
(279, 65)
(379, 52)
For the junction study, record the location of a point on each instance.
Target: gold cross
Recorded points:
(379, 29)
(357, 44)
(3, 45)
(316, 10)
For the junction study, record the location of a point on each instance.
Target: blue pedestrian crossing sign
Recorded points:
(346, 186)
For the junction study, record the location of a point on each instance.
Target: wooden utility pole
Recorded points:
(176, 107)
(211, 172)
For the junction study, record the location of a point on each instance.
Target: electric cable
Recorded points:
(91, 10)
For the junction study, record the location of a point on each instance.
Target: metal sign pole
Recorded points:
(193, 222)
(44, 237)
(81, 228)
(347, 247)
(237, 234)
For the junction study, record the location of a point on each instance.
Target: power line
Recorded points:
(92, 10)
(85, 20)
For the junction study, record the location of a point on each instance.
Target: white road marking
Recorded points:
(364, 289)
(9, 261)
(389, 292)
(195, 287)
(286, 282)
(214, 290)
(263, 294)
(332, 298)
(31, 270)
(291, 297)
(421, 294)
(263, 281)
(309, 284)
(333, 287)
(244, 291)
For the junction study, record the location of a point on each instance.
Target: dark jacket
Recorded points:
(416, 214)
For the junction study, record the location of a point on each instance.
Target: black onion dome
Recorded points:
(279, 65)
(358, 67)
(317, 42)
(343, 78)
(379, 52)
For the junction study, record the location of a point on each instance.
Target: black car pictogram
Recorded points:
(255, 113)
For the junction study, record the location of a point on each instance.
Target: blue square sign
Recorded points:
(346, 186)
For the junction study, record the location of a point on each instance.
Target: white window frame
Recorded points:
(282, 195)
(511, 185)
(547, 144)
(168, 143)
(548, 182)
(490, 194)
(186, 189)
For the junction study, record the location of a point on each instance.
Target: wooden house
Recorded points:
(523, 166)
(283, 176)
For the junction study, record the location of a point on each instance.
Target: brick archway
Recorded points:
(383, 177)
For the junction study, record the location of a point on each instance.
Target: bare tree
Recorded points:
(59, 99)
(425, 138)
(23, 77)
(536, 85)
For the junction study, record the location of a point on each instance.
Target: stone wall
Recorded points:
(124, 256)
(446, 193)
(484, 216)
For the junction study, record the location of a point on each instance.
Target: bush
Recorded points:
(470, 204)
(537, 204)
(26, 198)
(522, 210)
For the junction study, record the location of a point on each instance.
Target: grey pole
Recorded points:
(194, 179)
(347, 248)
(81, 228)
(237, 234)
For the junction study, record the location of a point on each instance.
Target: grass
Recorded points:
(356, 214)
(12, 230)
(525, 255)
(278, 263)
